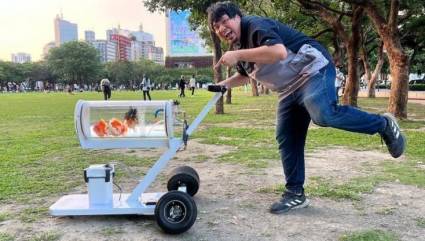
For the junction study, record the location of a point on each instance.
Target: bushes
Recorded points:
(417, 87)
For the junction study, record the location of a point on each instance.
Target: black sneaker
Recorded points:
(289, 201)
(393, 138)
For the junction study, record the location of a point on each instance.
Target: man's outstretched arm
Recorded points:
(260, 55)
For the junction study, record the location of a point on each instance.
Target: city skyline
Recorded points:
(27, 26)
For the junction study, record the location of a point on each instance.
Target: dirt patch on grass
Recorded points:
(230, 206)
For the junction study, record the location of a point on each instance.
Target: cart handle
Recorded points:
(195, 123)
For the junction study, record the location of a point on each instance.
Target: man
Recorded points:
(106, 88)
(192, 84)
(182, 86)
(145, 86)
(302, 72)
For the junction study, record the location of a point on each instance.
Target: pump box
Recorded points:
(99, 179)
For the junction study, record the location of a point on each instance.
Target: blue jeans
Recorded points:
(315, 100)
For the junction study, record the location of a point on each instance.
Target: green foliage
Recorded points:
(75, 62)
(129, 73)
(417, 87)
(13, 72)
(369, 235)
(27, 72)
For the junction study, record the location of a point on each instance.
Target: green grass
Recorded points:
(369, 235)
(321, 187)
(30, 215)
(200, 158)
(109, 231)
(4, 217)
(46, 236)
(6, 237)
(41, 157)
(420, 222)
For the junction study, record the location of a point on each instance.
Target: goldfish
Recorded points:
(117, 127)
(101, 128)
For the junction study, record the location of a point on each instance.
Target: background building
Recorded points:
(185, 48)
(107, 50)
(21, 58)
(134, 45)
(156, 55)
(64, 31)
(47, 48)
(89, 36)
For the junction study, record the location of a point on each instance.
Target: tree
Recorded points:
(412, 32)
(333, 14)
(2, 75)
(121, 72)
(40, 71)
(198, 19)
(13, 72)
(75, 62)
(385, 20)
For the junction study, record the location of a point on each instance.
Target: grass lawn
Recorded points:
(40, 154)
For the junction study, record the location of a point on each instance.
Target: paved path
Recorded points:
(422, 102)
(414, 95)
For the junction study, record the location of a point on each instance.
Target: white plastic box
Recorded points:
(99, 179)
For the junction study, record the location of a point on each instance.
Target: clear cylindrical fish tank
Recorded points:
(124, 124)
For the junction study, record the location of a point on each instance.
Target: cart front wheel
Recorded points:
(184, 176)
(175, 212)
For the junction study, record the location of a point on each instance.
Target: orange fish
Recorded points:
(101, 128)
(117, 128)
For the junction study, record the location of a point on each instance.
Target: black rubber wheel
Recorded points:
(186, 176)
(175, 212)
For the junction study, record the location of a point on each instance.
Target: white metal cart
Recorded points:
(135, 124)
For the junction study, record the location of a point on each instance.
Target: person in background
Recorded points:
(145, 86)
(338, 81)
(106, 88)
(182, 86)
(192, 84)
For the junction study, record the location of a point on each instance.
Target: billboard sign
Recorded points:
(184, 41)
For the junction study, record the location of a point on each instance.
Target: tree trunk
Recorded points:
(363, 55)
(219, 107)
(352, 83)
(254, 87)
(229, 91)
(372, 82)
(399, 69)
(338, 54)
(351, 43)
(398, 59)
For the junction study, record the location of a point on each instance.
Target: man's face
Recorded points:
(228, 29)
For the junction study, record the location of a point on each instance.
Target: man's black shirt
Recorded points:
(260, 31)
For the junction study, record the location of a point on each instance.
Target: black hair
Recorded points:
(216, 10)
